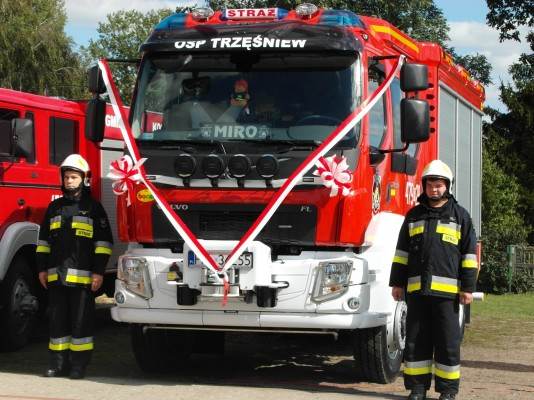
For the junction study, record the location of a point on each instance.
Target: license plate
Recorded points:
(245, 260)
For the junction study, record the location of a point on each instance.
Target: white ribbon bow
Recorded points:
(125, 175)
(335, 174)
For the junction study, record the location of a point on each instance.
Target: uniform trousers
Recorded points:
(72, 312)
(433, 337)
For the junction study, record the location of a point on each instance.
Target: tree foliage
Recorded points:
(508, 15)
(421, 19)
(502, 219)
(119, 37)
(515, 128)
(36, 54)
(508, 175)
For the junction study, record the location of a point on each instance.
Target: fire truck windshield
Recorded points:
(278, 97)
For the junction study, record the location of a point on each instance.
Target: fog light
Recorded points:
(119, 298)
(354, 303)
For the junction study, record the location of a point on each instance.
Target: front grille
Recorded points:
(289, 225)
(226, 221)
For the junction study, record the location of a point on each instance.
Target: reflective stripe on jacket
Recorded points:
(75, 241)
(436, 251)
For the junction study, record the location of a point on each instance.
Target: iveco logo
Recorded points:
(180, 207)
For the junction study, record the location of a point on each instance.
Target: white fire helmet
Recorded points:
(76, 162)
(439, 170)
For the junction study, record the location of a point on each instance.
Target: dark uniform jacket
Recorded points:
(75, 241)
(436, 251)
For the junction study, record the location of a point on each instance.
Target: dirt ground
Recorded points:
(261, 367)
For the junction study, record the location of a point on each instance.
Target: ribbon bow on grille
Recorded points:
(335, 174)
(125, 174)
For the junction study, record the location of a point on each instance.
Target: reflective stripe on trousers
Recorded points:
(82, 344)
(59, 344)
(73, 276)
(438, 284)
(78, 276)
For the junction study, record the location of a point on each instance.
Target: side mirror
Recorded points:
(95, 116)
(414, 77)
(95, 83)
(375, 156)
(23, 138)
(415, 121)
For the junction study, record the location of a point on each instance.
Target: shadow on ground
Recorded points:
(311, 363)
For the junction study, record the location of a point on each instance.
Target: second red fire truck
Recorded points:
(36, 134)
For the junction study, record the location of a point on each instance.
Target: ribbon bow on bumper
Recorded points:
(125, 174)
(335, 174)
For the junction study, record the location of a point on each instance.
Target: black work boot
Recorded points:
(55, 372)
(58, 364)
(447, 396)
(77, 373)
(417, 395)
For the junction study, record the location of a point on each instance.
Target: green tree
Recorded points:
(119, 38)
(502, 219)
(36, 54)
(516, 126)
(421, 19)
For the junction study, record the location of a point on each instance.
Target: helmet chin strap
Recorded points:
(73, 192)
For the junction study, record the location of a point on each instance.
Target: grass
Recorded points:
(508, 306)
(508, 316)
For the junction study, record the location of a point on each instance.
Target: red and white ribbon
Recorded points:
(334, 171)
(125, 174)
(277, 199)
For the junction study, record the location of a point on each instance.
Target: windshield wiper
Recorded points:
(295, 145)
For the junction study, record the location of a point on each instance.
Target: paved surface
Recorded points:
(254, 367)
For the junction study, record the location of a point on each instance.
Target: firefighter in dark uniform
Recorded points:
(435, 265)
(75, 243)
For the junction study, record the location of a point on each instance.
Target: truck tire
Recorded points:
(373, 361)
(20, 304)
(160, 350)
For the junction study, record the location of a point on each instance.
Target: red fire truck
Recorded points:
(36, 134)
(227, 105)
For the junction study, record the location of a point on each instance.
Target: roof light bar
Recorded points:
(202, 13)
(306, 9)
(253, 13)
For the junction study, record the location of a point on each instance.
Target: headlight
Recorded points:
(133, 271)
(332, 280)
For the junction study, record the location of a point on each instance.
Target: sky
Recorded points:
(469, 33)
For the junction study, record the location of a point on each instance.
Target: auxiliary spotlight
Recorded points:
(185, 165)
(239, 166)
(213, 167)
(267, 167)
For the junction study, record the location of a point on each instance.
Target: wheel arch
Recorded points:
(19, 238)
